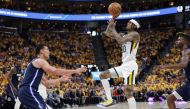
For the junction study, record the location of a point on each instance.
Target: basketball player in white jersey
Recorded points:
(129, 68)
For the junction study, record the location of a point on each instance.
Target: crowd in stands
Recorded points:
(70, 50)
(162, 82)
(11, 47)
(85, 7)
(57, 26)
(67, 50)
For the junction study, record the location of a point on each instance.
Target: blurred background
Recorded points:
(72, 29)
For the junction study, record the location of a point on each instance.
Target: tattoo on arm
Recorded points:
(129, 37)
(183, 63)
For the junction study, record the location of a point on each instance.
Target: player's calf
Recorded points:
(128, 91)
(171, 101)
(129, 94)
(105, 83)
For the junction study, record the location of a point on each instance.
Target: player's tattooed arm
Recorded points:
(182, 64)
(108, 31)
(133, 36)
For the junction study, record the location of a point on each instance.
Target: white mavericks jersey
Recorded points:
(129, 51)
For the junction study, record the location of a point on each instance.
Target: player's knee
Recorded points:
(104, 75)
(129, 92)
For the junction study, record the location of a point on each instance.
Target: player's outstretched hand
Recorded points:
(81, 70)
(112, 23)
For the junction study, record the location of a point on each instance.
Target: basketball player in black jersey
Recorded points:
(184, 91)
(13, 82)
(28, 91)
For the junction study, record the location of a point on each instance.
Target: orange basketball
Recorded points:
(114, 9)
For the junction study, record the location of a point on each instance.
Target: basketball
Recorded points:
(114, 9)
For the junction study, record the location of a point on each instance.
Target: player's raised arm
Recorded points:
(131, 36)
(115, 10)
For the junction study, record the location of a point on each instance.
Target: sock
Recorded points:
(132, 103)
(107, 88)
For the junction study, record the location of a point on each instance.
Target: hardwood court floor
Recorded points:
(143, 105)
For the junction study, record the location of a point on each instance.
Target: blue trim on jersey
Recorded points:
(31, 89)
(13, 93)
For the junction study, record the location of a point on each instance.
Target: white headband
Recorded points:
(135, 23)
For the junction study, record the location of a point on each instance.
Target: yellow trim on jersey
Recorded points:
(130, 78)
(133, 46)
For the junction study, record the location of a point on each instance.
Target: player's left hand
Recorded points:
(112, 23)
(65, 78)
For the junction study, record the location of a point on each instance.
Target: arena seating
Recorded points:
(67, 47)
